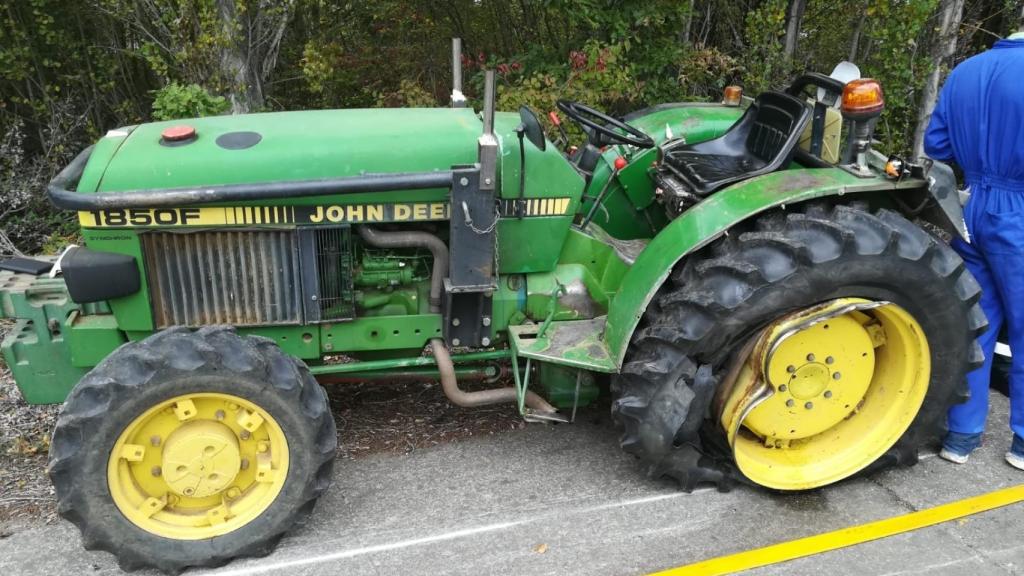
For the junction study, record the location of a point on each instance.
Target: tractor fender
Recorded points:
(709, 220)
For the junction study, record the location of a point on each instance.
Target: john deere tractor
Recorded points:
(770, 300)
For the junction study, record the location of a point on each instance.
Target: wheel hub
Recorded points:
(198, 466)
(819, 376)
(201, 459)
(809, 381)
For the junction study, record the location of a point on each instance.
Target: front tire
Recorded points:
(718, 299)
(192, 448)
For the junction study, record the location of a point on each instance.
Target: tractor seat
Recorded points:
(761, 141)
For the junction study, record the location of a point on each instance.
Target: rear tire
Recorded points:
(719, 298)
(140, 378)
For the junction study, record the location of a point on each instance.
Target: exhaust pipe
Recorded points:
(445, 366)
(458, 98)
(460, 397)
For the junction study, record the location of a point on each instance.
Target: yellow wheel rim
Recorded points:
(843, 382)
(198, 466)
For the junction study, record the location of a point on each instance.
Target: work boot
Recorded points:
(957, 447)
(1015, 457)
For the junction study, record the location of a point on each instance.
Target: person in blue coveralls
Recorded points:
(978, 122)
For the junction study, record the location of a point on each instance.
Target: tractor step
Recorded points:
(575, 343)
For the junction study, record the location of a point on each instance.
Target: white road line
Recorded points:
(264, 567)
(340, 555)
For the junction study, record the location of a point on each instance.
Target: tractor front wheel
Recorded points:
(192, 448)
(818, 344)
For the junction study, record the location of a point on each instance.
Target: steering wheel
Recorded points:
(596, 123)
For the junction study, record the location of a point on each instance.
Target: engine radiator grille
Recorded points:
(331, 248)
(247, 278)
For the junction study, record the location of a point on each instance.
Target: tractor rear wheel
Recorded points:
(817, 345)
(192, 448)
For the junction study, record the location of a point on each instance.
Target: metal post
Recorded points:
(488, 144)
(458, 99)
(489, 81)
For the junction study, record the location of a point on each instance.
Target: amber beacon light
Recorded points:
(863, 99)
(732, 96)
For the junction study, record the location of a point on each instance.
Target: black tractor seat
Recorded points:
(761, 141)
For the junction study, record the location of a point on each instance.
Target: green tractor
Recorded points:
(769, 300)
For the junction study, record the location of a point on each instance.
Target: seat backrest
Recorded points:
(778, 120)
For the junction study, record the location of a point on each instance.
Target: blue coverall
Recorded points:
(979, 123)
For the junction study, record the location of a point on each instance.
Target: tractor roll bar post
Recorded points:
(487, 149)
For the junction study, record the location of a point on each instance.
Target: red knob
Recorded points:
(178, 133)
(620, 163)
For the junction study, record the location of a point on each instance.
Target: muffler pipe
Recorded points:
(460, 397)
(458, 98)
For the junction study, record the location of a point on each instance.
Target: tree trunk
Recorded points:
(794, 15)
(235, 66)
(941, 52)
(687, 24)
(855, 39)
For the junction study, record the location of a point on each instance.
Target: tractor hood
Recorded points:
(283, 146)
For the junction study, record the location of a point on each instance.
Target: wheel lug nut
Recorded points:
(809, 405)
(244, 464)
(234, 492)
(836, 376)
(245, 435)
(828, 393)
(156, 471)
(154, 440)
(810, 357)
(219, 415)
(790, 368)
(829, 360)
(783, 388)
(790, 403)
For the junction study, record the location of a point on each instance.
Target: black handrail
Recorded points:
(818, 79)
(66, 199)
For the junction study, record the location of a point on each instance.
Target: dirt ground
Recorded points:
(371, 418)
(25, 491)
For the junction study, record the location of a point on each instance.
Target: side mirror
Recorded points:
(531, 127)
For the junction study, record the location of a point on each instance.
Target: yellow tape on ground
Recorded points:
(848, 536)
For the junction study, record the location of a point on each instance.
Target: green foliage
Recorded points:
(175, 101)
(704, 71)
(766, 66)
(901, 63)
(409, 95)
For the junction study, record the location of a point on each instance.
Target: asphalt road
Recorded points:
(564, 500)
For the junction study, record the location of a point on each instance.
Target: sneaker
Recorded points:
(955, 458)
(1015, 460)
(1015, 457)
(957, 446)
